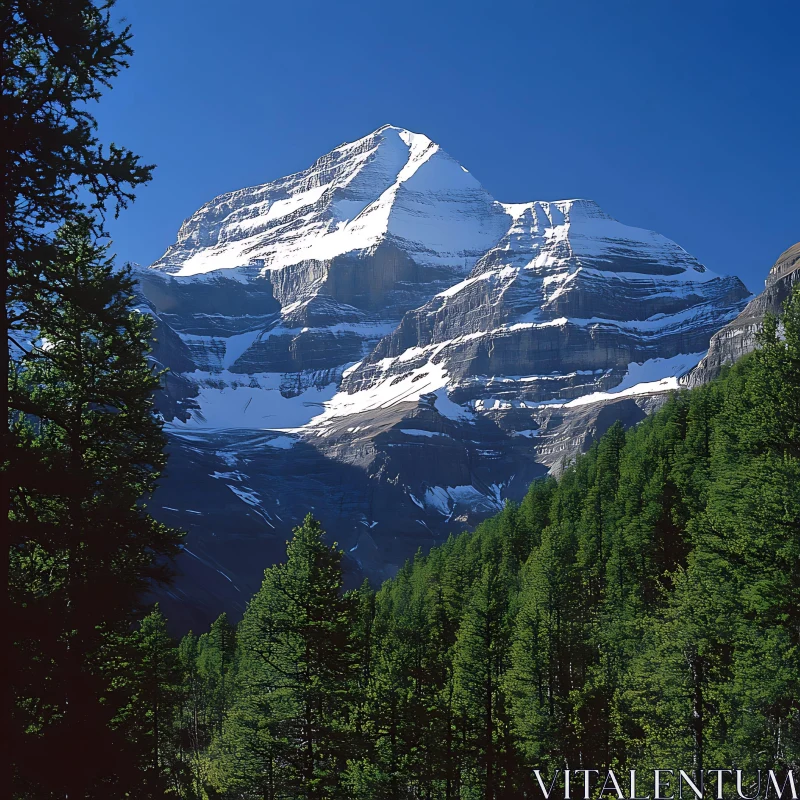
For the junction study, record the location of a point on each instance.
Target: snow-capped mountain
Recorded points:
(561, 306)
(392, 186)
(380, 341)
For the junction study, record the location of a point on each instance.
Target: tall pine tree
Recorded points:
(58, 56)
(286, 734)
(154, 687)
(84, 548)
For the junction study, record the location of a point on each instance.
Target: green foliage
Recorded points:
(88, 448)
(82, 448)
(215, 660)
(286, 732)
(642, 610)
(155, 687)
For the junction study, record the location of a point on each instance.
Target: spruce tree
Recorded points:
(390, 694)
(67, 563)
(546, 653)
(287, 731)
(149, 719)
(534, 511)
(84, 548)
(215, 660)
(480, 661)
(192, 729)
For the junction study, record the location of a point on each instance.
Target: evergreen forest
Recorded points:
(641, 611)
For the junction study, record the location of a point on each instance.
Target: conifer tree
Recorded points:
(69, 446)
(215, 661)
(149, 718)
(192, 729)
(534, 511)
(286, 733)
(546, 653)
(84, 547)
(480, 661)
(362, 644)
(599, 514)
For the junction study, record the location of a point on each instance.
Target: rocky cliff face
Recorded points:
(305, 274)
(560, 306)
(378, 340)
(739, 337)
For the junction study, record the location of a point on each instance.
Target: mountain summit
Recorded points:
(392, 185)
(379, 340)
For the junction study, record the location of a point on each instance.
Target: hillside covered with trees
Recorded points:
(641, 611)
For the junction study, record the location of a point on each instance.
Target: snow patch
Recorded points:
(281, 442)
(235, 346)
(228, 476)
(447, 408)
(444, 499)
(246, 495)
(231, 400)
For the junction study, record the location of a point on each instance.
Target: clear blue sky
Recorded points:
(683, 117)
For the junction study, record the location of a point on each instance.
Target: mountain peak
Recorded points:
(362, 193)
(403, 133)
(389, 127)
(388, 140)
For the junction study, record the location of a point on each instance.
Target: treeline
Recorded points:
(641, 611)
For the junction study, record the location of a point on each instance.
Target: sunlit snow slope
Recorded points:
(392, 184)
(377, 340)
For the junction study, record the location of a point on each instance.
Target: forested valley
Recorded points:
(640, 611)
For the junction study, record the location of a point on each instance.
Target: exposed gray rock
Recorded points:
(739, 337)
(378, 341)
(565, 301)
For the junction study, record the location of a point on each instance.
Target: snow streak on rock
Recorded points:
(378, 340)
